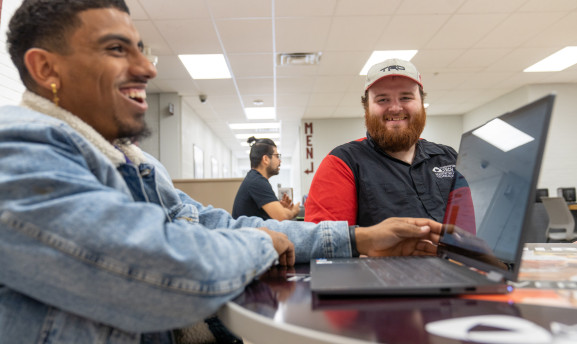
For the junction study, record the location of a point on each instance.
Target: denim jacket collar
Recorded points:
(116, 153)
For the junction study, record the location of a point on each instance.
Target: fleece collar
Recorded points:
(116, 153)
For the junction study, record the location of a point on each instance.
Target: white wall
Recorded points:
(196, 132)
(329, 133)
(559, 166)
(175, 134)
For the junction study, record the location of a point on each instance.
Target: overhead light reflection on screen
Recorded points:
(502, 135)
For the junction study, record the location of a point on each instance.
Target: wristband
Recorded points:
(353, 238)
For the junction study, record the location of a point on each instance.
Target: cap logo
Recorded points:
(393, 67)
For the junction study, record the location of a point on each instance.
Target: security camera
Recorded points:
(202, 98)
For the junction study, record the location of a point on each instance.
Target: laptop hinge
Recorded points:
(495, 276)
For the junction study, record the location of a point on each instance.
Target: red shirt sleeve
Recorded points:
(333, 194)
(460, 211)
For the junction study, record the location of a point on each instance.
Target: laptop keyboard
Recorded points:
(400, 271)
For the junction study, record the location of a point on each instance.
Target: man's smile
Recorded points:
(396, 118)
(136, 94)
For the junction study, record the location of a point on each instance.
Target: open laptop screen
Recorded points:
(496, 176)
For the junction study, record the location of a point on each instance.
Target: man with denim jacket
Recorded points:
(96, 245)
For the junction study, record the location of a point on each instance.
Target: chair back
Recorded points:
(559, 215)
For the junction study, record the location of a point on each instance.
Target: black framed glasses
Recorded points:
(277, 155)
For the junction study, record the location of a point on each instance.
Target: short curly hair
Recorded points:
(47, 24)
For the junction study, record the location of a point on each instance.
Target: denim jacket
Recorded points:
(97, 246)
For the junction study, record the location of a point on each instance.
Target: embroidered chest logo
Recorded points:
(444, 171)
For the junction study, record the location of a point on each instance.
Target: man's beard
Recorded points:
(272, 171)
(395, 140)
(133, 134)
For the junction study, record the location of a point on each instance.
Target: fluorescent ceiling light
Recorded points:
(560, 60)
(260, 112)
(381, 55)
(245, 136)
(252, 126)
(502, 135)
(206, 66)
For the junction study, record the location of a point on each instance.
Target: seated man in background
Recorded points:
(390, 172)
(255, 196)
(96, 245)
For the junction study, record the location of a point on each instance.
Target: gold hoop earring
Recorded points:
(55, 98)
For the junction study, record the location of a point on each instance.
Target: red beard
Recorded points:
(390, 140)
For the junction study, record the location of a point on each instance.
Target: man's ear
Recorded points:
(265, 160)
(41, 67)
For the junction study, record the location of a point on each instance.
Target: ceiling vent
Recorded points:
(299, 59)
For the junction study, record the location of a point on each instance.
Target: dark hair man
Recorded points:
(255, 196)
(96, 244)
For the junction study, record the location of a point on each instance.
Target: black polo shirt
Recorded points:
(254, 192)
(377, 186)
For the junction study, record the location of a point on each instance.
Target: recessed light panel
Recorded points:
(556, 62)
(206, 66)
(260, 112)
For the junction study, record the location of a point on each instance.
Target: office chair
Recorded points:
(560, 217)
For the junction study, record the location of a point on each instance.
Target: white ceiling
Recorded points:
(470, 52)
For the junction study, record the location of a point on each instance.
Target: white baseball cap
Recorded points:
(392, 67)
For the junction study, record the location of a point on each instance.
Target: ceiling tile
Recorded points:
(288, 100)
(429, 6)
(546, 6)
(490, 6)
(560, 34)
(367, 7)
(324, 99)
(241, 9)
(200, 37)
(346, 63)
(410, 31)
(355, 33)
(255, 85)
(251, 65)
(433, 60)
(217, 87)
(295, 85)
(301, 34)
(518, 29)
(453, 35)
(332, 84)
(178, 9)
(319, 112)
(294, 8)
(246, 35)
(478, 59)
(349, 111)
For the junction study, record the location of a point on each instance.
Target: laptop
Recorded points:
(486, 219)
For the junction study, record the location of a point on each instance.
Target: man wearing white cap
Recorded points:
(390, 172)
